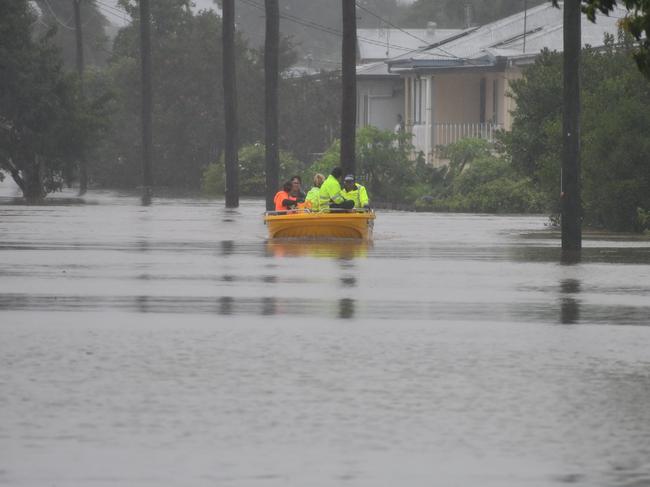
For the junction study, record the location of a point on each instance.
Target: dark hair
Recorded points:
(337, 172)
(287, 186)
(296, 177)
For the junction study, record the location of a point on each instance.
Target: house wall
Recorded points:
(456, 98)
(511, 74)
(379, 102)
(442, 108)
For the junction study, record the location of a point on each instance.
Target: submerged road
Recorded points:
(173, 345)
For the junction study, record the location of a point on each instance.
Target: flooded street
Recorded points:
(173, 345)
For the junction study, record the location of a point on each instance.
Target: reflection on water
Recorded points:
(569, 304)
(269, 306)
(349, 281)
(346, 308)
(227, 247)
(570, 257)
(129, 335)
(344, 250)
(226, 305)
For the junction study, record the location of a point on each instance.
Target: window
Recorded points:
(418, 98)
(482, 100)
(495, 101)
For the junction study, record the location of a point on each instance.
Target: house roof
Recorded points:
(504, 39)
(379, 44)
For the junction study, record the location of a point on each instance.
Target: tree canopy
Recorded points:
(45, 123)
(615, 133)
(637, 24)
(59, 14)
(188, 100)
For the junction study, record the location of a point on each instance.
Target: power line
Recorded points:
(115, 8)
(57, 19)
(426, 43)
(121, 14)
(391, 24)
(328, 30)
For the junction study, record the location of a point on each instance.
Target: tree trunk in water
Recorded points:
(570, 195)
(230, 105)
(145, 53)
(32, 178)
(349, 94)
(271, 61)
(83, 163)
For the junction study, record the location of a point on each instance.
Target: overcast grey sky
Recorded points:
(200, 4)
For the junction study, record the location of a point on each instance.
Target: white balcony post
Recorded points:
(428, 117)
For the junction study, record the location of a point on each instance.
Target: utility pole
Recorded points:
(145, 56)
(468, 15)
(83, 163)
(349, 85)
(230, 105)
(525, 22)
(570, 193)
(271, 62)
(76, 4)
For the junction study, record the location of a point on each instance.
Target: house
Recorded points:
(380, 93)
(458, 87)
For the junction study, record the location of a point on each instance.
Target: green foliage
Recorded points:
(188, 126)
(252, 172)
(45, 122)
(615, 133)
(475, 179)
(636, 24)
(479, 181)
(95, 41)
(643, 219)
(310, 109)
(464, 152)
(187, 90)
(383, 164)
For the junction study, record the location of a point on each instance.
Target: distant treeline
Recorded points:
(50, 122)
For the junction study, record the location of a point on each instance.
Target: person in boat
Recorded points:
(283, 200)
(296, 187)
(355, 192)
(330, 192)
(296, 193)
(313, 196)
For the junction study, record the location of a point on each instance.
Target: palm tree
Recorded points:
(571, 204)
(271, 57)
(230, 105)
(83, 163)
(349, 95)
(145, 53)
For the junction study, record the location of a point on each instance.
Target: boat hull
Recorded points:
(321, 225)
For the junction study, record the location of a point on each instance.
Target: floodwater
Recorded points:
(173, 345)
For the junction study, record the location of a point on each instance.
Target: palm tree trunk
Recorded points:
(349, 94)
(147, 103)
(230, 105)
(83, 162)
(571, 203)
(271, 61)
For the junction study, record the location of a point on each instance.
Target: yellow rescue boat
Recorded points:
(355, 224)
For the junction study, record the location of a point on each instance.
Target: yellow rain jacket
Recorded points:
(359, 195)
(313, 198)
(330, 192)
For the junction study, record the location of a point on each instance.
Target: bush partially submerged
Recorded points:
(252, 173)
(477, 180)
